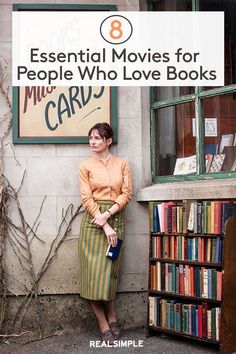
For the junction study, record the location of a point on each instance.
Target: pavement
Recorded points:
(76, 341)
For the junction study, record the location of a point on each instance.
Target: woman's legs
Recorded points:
(110, 311)
(98, 308)
(105, 313)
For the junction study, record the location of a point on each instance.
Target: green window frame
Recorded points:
(197, 98)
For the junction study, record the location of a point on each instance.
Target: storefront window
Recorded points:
(195, 128)
(176, 145)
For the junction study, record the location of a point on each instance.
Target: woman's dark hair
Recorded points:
(104, 130)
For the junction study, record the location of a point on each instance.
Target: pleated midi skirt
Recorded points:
(98, 274)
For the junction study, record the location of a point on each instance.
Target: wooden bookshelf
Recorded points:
(172, 295)
(190, 234)
(204, 264)
(226, 305)
(180, 334)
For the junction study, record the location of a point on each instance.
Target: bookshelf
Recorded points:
(192, 271)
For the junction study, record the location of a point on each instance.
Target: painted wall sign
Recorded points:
(61, 114)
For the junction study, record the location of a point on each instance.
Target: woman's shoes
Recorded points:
(115, 330)
(111, 334)
(107, 336)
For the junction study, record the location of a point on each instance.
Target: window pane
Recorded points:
(175, 143)
(220, 129)
(229, 8)
(163, 93)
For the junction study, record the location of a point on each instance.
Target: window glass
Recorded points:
(163, 93)
(175, 143)
(220, 129)
(229, 8)
(172, 5)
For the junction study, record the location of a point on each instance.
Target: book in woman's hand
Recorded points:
(113, 252)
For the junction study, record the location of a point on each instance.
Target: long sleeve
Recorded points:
(126, 189)
(86, 192)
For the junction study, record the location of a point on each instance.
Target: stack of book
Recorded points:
(221, 157)
(194, 216)
(200, 320)
(199, 249)
(186, 280)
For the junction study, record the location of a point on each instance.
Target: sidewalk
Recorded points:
(77, 341)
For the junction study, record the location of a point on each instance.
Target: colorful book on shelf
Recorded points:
(217, 163)
(161, 216)
(230, 158)
(156, 221)
(211, 149)
(151, 310)
(217, 217)
(191, 218)
(228, 210)
(226, 140)
(185, 165)
(151, 207)
(208, 159)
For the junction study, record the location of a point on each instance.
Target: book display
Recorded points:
(192, 270)
(218, 157)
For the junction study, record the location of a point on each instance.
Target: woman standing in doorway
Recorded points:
(105, 187)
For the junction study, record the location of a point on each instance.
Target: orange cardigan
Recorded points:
(104, 181)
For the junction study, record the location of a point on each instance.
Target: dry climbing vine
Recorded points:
(20, 236)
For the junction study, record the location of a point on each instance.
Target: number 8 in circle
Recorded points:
(116, 27)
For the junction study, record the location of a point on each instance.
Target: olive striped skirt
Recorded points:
(98, 274)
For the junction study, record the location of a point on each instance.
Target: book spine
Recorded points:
(212, 217)
(213, 323)
(204, 217)
(208, 217)
(163, 313)
(159, 276)
(174, 219)
(205, 283)
(151, 310)
(151, 205)
(172, 315)
(209, 284)
(199, 218)
(193, 319)
(218, 310)
(181, 279)
(204, 320)
(217, 217)
(156, 224)
(200, 320)
(208, 324)
(184, 217)
(219, 285)
(169, 218)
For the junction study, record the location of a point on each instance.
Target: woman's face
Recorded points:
(97, 143)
